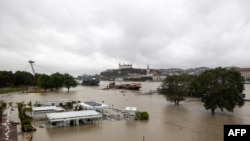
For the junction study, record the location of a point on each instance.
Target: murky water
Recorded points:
(187, 122)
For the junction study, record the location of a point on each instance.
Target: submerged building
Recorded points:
(130, 111)
(91, 105)
(40, 112)
(74, 118)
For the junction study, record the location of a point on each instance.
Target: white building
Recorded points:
(40, 112)
(125, 66)
(130, 111)
(59, 102)
(91, 105)
(74, 118)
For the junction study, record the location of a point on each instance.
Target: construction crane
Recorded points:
(31, 64)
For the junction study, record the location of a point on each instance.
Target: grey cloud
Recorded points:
(90, 36)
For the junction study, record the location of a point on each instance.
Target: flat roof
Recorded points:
(45, 108)
(92, 104)
(73, 115)
(130, 109)
(59, 100)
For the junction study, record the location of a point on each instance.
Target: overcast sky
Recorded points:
(90, 36)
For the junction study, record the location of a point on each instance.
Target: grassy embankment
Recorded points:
(21, 89)
(10, 90)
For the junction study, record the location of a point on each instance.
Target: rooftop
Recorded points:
(73, 114)
(130, 109)
(59, 100)
(47, 108)
(92, 104)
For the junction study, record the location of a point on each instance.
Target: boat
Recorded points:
(247, 82)
(161, 89)
(90, 82)
(132, 86)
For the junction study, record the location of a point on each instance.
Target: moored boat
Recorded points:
(132, 86)
(90, 82)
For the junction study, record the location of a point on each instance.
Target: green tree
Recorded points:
(69, 81)
(57, 80)
(24, 79)
(2, 108)
(176, 87)
(6, 79)
(221, 88)
(194, 86)
(44, 81)
(20, 106)
(36, 79)
(24, 119)
(141, 115)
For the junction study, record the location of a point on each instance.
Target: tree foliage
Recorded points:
(141, 116)
(69, 81)
(56, 81)
(6, 78)
(221, 88)
(23, 78)
(176, 87)
(44, 81)
(19, 78)
(218, 88)
(2, 108)
(24, 119)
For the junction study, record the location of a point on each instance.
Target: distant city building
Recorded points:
(125, 66)
(155, 76)
(245, 72)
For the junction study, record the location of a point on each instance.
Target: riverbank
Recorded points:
(10, 90)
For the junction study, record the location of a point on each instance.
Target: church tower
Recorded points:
(148, 70)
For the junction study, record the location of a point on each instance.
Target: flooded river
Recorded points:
(187, 122)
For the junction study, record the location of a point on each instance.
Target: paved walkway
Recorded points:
(8, 129)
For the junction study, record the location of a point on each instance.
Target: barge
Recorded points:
(132, 86)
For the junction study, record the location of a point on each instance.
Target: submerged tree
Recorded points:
(2, 108)
(24, 119)
(176, 87)
(69, 81)
(44, 81)
(56, 80)
(221, 88)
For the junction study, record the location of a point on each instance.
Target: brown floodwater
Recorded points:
(187, 122)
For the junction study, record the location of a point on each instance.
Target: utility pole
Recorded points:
(31, 64)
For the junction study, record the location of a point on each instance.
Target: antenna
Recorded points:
(31, 64)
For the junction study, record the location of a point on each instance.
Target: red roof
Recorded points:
(243, 69)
